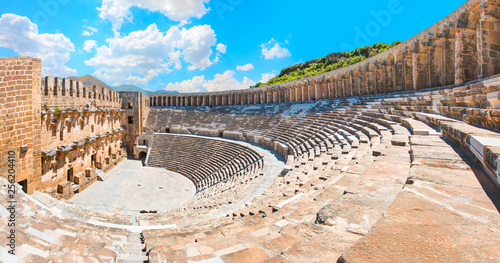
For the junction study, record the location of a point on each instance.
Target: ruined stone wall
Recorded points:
(62, 133)
(76, 142)
(20, 118)
(66, 93)
(81, 132)
(136, 107)
(462, 47)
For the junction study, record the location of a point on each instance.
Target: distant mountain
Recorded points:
(89, 80)
(131, 88)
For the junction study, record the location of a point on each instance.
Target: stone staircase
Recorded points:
(134, 250)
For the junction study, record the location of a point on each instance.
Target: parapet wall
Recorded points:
(462, 47)
(66, 93)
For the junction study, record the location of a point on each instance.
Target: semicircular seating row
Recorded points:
(207, 162)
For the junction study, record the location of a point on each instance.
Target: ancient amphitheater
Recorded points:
(393, 159)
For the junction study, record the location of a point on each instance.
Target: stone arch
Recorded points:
(239, 98)
(258, 95)
(340, 85)
(245, 98)
(232, 99)
(282, 94)
(213, 100)
(373, 77)
(219, 99)
(313, 84)
(298, 91)
(389, 67)
(381, 75)
(276, 94)
(304, 92)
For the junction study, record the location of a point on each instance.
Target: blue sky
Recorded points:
(201, 45)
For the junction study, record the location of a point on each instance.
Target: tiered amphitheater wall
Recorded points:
(462, 47)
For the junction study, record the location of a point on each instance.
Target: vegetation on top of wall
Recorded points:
(331, 62)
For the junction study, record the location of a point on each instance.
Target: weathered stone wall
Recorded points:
(66, 93)
(61, 132)
(20, 117)
(76, 142)
(462, 47)
(81, 131)
(136, 106)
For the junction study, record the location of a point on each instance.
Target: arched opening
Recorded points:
(142, 157)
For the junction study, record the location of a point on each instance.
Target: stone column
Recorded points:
(465, 56)
(408, 71)
(336, 86)
(305, 91)
(489, 40)
(324, 89)
(359, 82)
(318, 88)
(381, 77)
(331, 87)
(419, 67)
(434, 63)
(328, 88)
(350, 84)
(370, 82)
(298, 92)
(341, 86)
(447, 72)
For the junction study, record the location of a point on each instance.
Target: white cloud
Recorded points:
(191, 85)
(89, 45)
(246, 67)
(266, 77)
(184, 22)
(220, 82)
(21, 35)
(142, 55)
(221, 48)
(226, 81)
(272, 49)
(89, 31)
(196, 44)
(118, 11)
(93, 29)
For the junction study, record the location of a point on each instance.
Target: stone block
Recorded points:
(64, 188)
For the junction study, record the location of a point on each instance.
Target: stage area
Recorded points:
(133, 188)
